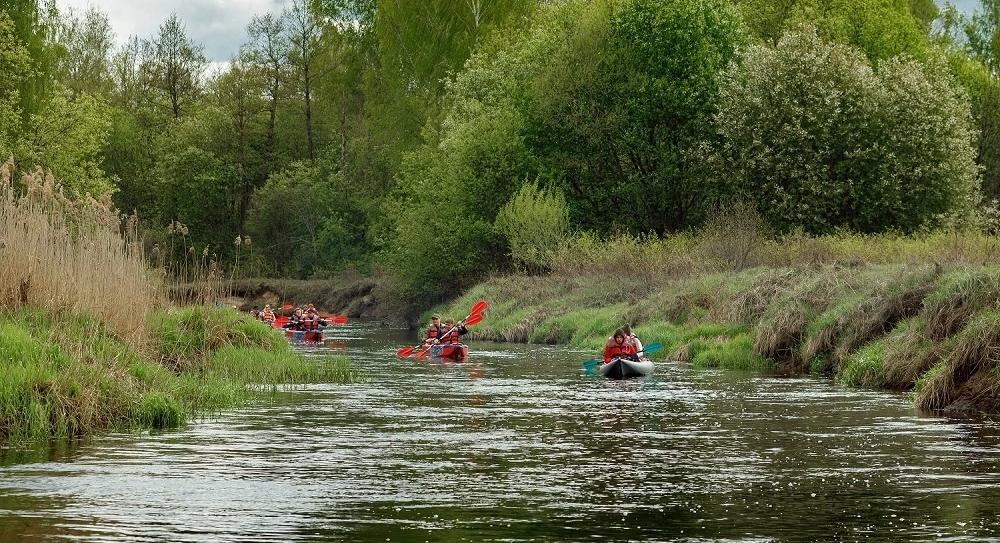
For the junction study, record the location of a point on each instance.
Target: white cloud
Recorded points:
(220, 25)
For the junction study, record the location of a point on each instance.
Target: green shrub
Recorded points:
(535, 221)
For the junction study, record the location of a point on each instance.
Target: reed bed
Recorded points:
(73, 255)
(87, 340)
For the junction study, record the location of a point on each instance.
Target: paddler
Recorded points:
(267, 315)
(453, 333)
(619, 348)
(632, 338)
(435, 331)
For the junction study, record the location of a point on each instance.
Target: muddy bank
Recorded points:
(354, 295)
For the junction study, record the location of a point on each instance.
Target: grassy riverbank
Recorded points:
(916, 315)
(67, 374)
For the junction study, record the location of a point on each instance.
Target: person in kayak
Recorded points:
(435, 330)
(619, 348)
(631, 337)
(267, 315)
(453, 334)
(255, 313)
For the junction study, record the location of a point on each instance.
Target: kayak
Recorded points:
(623, 368)
(311, 336)
(452, 352)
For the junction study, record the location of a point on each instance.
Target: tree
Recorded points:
(239, 93)
(820, 140)
(305, 33)
(269, 48)
(86, 41)
(880, 28)
(176, 64)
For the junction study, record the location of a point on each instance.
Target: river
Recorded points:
(518, 445)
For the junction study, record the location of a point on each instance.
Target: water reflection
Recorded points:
(517, 446)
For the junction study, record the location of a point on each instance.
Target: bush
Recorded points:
(820, 140)
(535, 221)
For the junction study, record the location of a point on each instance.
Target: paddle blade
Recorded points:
(287, 307)
(338, 319)
(423, 354)
(590, 366)
(474, 319)
(653, 348)
(481, 305)
(405, 352)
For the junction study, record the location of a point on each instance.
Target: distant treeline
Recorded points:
(443, 140)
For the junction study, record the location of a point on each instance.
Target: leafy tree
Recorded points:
(305, 33)
(880, 28)
(175, 66)
(820, 140)
(268, 49)
(67, 138)
(86, 41)
(300, 212)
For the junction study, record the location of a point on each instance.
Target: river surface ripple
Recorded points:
(518, 445)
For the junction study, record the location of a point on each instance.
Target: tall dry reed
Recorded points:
(72, 254)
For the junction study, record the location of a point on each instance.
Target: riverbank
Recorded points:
(929, 329)
(349, 293)
(67, 374)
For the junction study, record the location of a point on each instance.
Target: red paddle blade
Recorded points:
(423, 354)
(481, 305)
(474, 319)
(405, 352)
(287, 307)
(339, 319)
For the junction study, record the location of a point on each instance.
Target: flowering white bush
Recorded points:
(821, 140)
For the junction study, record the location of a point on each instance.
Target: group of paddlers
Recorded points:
(302, 318)
(448, 333)
(623, 344)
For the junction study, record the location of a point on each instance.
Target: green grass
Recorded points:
(865, 368)
(735, 353)
(65, 374)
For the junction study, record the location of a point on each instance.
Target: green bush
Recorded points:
(820, 140)
(535, 221)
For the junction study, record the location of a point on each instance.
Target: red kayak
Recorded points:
(457, 352)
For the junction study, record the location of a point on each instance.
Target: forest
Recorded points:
(434, 143)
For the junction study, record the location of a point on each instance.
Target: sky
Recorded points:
(218, 24)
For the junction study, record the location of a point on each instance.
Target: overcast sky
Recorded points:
(218, 24)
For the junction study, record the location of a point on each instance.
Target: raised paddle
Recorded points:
(592, 364)
(336, 319)
(477, 310)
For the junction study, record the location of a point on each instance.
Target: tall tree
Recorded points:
(86, 41)
(982, 36)
(33, 26)
(269, 48)
(177, 63)
(305, 35)
(239, 93)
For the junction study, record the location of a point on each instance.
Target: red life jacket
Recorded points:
(453, 337)
(435, 332)
(615, 350)
(311, 323)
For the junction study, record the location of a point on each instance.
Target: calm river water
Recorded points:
(518, 445)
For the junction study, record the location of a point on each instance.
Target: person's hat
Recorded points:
(436, 316)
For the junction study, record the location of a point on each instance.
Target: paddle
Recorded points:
(475, 318)
(336, 319)
(477, 311)
(592, 364)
